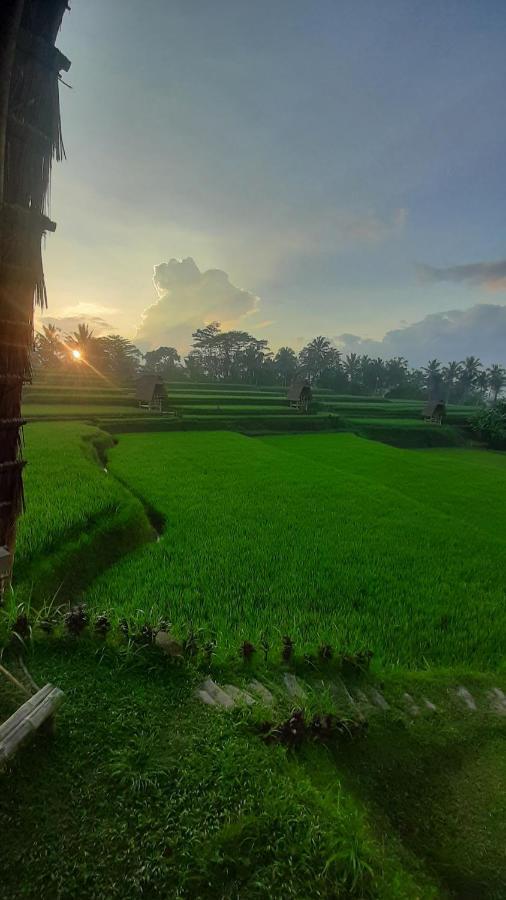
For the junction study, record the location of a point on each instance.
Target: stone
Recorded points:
(218, 695)
(413, 708)
(293, 687)
(341, 689)
(379, 699)
(361, 697)
(205, 697)
(497, 700)
(237, 695)
(261, 691)
(466, 697)
(168, 644)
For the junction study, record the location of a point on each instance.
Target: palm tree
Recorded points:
(469, 374)
(496, 380)
(286, 364)
(30, 137)
(81, 339)
(432, 372)
(451, 375)
(396, 371)
(482, 383)
(314, 356)
(352, 367)
(49, 347)
(121, 357)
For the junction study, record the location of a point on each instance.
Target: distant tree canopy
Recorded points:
(237, 356)
(490, 424)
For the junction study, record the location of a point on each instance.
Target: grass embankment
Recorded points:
(141, 793)
(78, 520)
(263, 541)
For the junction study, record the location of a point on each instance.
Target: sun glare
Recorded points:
(76, 354)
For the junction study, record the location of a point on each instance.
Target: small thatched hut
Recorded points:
(434, 412)
(150, 392)
(300, 396)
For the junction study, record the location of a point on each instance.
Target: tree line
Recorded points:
(238, 357)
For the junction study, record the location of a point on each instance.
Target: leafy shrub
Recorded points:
(490, 424)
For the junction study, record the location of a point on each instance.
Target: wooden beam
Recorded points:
(48, 55)
(27, 719)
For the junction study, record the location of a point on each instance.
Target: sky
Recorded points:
(289, 167)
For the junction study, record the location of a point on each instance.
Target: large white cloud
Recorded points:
(454, 334)
(188, 299)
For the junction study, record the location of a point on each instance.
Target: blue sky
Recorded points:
(319, 153)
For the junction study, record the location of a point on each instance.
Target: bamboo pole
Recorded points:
(14, 681)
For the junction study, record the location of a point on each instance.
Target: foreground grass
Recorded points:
(262, 541)
(144, 793)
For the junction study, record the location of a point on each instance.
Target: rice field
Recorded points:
(327, 538)
(396, 551)
(244, 408)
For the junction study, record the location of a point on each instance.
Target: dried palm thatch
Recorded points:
(30, 138)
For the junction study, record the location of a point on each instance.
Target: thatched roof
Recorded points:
(30, 138)
(149, 388)
(434, 408)
(298, 390)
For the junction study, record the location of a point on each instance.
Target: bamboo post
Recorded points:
(14, 681)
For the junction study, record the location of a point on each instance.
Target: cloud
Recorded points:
(454, 334)
(68, 324)
(188, 299)
(89, 309)
(491, 275)
(338, 229)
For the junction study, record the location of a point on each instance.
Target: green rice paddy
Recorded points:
(327, 538)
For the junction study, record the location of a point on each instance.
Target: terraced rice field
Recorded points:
(246, 409)
(365, 546)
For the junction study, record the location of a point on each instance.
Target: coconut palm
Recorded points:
(82, 339)
(451, 375)
(48, 347)
(469, 374)
(396, 372)
(314, 356)
(352, 367)
(286, 364)
(482, 383)
(432, 372)
(496, 380)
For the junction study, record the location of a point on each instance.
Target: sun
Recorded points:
(76, 354)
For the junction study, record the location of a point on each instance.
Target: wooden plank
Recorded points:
(29, 725)
(21, 713)
(45, 709)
